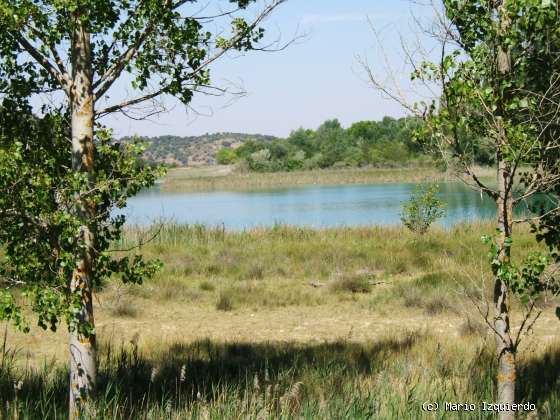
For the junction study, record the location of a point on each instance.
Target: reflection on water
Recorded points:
(314, 206)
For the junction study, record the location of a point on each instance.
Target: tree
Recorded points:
(422, 208)
(497, 59)
(77, 50)
(39, 231)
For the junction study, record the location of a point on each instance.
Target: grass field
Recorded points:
(292, 323)
(228, 178)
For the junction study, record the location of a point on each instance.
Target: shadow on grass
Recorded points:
(183, 375)
(224, 380)
(538, 379)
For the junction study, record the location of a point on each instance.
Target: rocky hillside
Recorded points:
(192, 151)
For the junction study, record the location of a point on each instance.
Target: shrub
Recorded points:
(226, 156)
(422, 209)
(432, 280)
(470, 327)
(124, 307)
(225, 302)
(206, 286)
(412, 298)
(438, 305)
(352, 283)
(260, 161)
(256, 272)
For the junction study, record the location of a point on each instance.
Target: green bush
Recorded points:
(422, 209)
(384, 143)
(226, 156)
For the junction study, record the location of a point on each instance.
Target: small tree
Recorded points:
(497, 66)
(422, 209)
(79, 49)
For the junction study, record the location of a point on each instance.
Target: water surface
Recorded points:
(311, 206)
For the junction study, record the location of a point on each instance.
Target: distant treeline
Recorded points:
(389, 142)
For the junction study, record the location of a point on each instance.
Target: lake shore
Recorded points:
(345, 320)
(228, 178)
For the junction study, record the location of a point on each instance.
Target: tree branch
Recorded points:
(113, 72)
(52, 49)
(61, 77)
(125, 104)
(114, 108)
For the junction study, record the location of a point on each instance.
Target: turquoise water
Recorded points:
(312, 206)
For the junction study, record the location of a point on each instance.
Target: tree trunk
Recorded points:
(83, 369)
(505, 350)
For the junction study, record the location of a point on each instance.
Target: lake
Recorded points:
(312, 206)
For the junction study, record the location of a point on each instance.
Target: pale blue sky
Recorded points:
(317, 79)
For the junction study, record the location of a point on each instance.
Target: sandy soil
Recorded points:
(155, 325)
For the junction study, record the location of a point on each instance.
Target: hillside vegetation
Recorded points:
(193, 150)
(386, 143)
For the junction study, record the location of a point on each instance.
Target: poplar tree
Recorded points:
(495, 84)
(76, 51)
(500, 59)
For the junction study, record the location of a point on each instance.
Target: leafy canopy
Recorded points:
(39, 234)
(163, 45)
(499, 79)
(475, 90)
(385, 142)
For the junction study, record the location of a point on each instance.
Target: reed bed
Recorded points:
(230, 178)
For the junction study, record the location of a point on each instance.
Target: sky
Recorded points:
(317, 78)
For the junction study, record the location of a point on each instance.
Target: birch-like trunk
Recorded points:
(505, 350)
(83, 369)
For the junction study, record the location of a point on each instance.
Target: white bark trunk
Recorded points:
(505, 350)
(83, 368)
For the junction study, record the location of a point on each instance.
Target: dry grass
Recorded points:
(353, 282)
(386, 378)
(381, 276)
(389, 328)
(225, 302)
(227, 178)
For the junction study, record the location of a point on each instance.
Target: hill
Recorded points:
(193, 150)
